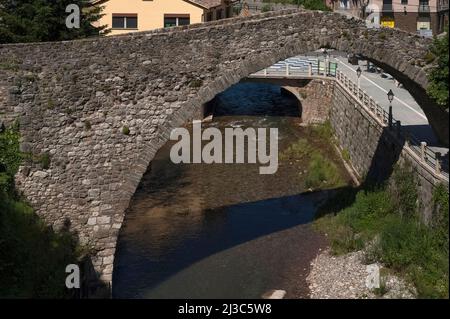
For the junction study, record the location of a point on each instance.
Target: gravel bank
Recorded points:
(345, 277)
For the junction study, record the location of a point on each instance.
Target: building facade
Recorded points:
(124, 16)
(424, 17)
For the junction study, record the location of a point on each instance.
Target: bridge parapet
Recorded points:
(424, 156)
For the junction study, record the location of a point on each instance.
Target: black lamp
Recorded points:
(390, 96)
(390, 114)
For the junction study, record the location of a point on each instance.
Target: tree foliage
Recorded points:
(307, 4)
(45, 20)
(438, 87)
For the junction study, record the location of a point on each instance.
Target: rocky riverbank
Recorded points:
(348, 277)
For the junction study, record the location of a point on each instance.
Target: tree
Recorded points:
(45, 20)
(315, 5)
(438, 78)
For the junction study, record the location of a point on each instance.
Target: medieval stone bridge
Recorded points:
(76, 101)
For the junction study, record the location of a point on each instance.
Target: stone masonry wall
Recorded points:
(374, 150)
(100, 108)
(315, 97)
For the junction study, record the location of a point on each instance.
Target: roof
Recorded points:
(207, 4)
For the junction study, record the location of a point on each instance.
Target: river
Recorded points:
(224, 230)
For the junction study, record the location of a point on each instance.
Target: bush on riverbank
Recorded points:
(322, 173)
(32, 257)
(315, 151)
(385, 221)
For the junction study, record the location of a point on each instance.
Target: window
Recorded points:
(184, 21)
(228, 12)
(404, 1)
(219, 14)
(173, 20)
(124, 21)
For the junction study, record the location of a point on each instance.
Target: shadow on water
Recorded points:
(193, 237)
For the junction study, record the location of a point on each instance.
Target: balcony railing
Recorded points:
(387, 7)
(442, 5)
(424, 8)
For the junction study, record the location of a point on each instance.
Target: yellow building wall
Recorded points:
(150, 13)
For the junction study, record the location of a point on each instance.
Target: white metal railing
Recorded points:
(287, 70)
(422, 151)
(319, 69)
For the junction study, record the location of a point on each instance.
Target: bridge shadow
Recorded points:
(386, 155)
(217, 230)
(424, 133)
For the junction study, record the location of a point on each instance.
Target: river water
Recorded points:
(224, 230)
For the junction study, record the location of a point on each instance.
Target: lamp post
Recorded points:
(325, 54)
(365, 3)
(390, 96)
(358, 74)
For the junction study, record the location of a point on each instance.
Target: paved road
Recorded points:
(405, 108)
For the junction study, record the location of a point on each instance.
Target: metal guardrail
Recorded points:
(424, 7)
(320, 68)
(442, 5)
(424, 153)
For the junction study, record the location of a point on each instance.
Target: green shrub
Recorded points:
(403, 243)
(196, 83)
(50, 104)
(404, 191)
(297, 150)
(345, 155)
(45, 160)
(429, 57)
(10, 156)
(322, 172)
(324, 131)
(32, 257)
(266, 8)
(126, 130)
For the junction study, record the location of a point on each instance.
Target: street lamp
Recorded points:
(358, 73)
(365, 3)
(390, 96)
(325, 54)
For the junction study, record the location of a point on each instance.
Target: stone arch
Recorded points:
(151, 82)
